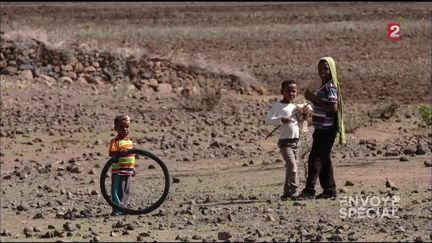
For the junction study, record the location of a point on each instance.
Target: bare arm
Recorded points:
(331, 106)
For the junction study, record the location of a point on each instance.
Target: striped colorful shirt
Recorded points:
(322, 118)
(125, 165)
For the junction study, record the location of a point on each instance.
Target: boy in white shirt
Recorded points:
(286, 114)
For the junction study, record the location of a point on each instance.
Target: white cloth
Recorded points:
(278, 110)
(303, 125)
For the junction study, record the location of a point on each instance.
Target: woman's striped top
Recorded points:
(321, 117)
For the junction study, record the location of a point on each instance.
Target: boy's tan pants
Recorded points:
(288, 149)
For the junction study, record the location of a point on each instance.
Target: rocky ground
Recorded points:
(207, 122)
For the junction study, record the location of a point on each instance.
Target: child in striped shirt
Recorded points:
(327, 119)
(125, 166)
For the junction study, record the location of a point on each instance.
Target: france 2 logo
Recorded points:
(393, 30)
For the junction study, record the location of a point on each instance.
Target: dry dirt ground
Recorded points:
(228, 176)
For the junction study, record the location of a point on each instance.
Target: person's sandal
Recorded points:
(326, 195)
(305, 196)
(285, 197)
(295, 195)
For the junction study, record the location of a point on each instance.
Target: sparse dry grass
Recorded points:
(257, 39)
(207, 100)
(121, 32)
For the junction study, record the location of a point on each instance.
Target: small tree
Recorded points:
(425, 113)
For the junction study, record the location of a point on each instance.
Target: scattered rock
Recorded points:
(66, 80)
(23, 207)
(197, 237)
(415, 201)
(90, 69)
(39, 216)
(118, 224)
(230, 217)
(391, 152)
(389, 183)
(353, 237)
(349, 183)
(335, 237)
(270, 218)
(254, 239)
(26, 75)
(209, 199)
(418, 239)
(131, 226)
(47, 79)
(409, 151)
(49, 235)
(343, 190)
(164, 88)
(5, 232)
(224, 235)
(37, 229)
(28, 232)
(68, 226)
(296, 203)
(9, 70)
(421, 149)
(279, 239)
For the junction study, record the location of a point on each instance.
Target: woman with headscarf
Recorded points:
(327, 119)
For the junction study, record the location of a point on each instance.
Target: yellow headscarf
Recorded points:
(340, 133)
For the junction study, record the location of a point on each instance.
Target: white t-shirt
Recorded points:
(287, 130)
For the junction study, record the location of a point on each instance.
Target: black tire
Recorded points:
(158, 203)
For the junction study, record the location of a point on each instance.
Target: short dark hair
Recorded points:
(120, 118)
(287, 82)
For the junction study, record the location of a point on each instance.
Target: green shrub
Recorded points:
(425, 113)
